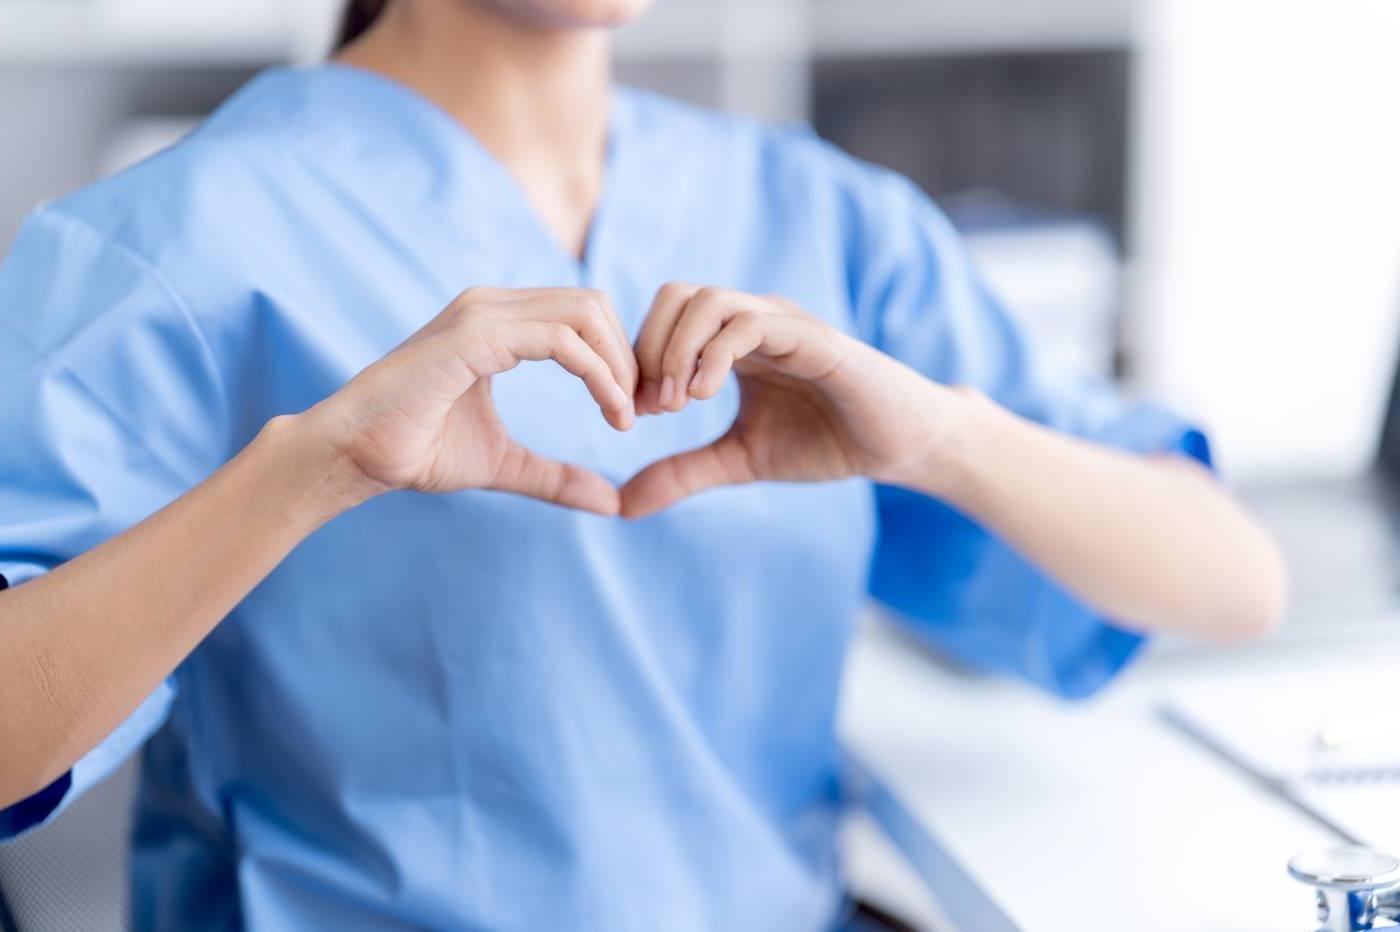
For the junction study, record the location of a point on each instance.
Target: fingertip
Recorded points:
(619, 411)
(680, 395)
(632, 510)
(588, 491)
(699, 386)
(707, 382)
(632, 498)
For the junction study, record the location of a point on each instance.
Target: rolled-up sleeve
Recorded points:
(109, 408)
(959, 587)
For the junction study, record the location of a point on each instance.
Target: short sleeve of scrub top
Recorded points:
(956, 585)
(102, 448)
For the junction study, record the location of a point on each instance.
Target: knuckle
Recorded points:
(592, 369)
(473, 295)
(745, 321)
(784, 304)
(673, 290)
(562, 334)
(713, 353)
(587, 304)
(674, 359)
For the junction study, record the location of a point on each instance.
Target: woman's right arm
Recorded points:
(83, 645)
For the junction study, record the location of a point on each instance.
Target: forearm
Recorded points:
(82, 646)
(1152, 542)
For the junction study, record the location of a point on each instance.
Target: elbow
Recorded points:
(9, 798)
(15, 787)
(1261, 592)
(1276, 595)
(24, 775)
(1259, 619)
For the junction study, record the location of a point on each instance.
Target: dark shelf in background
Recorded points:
(1047, 129)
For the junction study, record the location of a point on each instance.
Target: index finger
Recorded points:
(538, 340)
(661, 319)
(602, 297)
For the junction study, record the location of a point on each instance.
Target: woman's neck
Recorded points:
(535, 97)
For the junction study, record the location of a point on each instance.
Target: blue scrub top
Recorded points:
(477, 710)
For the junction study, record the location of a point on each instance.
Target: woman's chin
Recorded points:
(575, 14)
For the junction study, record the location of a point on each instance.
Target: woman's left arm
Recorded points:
(1151, 541)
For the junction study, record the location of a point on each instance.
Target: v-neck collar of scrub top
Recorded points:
(452, 153)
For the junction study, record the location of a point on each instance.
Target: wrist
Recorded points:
(310, 463)
(963, 417)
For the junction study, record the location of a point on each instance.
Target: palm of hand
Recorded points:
(472, 446)
(788, 430)
(863, 418)
(427, 441)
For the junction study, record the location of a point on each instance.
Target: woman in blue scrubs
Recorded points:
(261, 396)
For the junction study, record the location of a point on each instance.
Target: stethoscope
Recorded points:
(1357, 888)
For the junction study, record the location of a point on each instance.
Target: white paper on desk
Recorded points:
(1368, 813)
(1269, 726)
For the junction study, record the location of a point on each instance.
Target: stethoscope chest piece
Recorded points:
(1357, 887)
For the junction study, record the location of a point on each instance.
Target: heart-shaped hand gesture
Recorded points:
(816, 404)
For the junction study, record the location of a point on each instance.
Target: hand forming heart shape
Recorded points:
(815, 403)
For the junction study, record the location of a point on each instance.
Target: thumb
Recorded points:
(674, 478)
(525, 472)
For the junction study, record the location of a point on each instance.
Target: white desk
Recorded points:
(1097, 815)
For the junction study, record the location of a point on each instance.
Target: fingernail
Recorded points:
(695, 382)
(621, 398)
(668, 391)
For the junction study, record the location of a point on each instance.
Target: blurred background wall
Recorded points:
(1199, 197)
